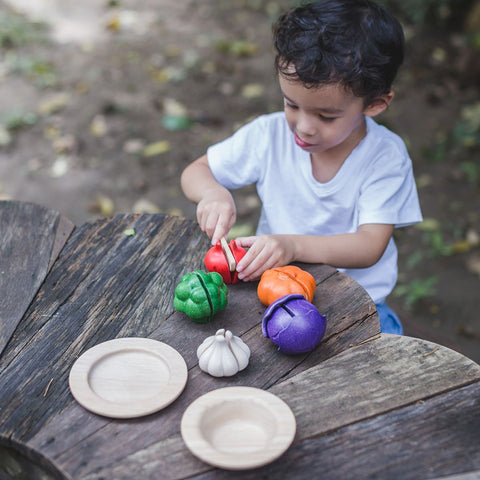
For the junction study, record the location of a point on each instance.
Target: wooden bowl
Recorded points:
(238, 428)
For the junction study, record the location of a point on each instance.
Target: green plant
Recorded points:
(415, 259)
(16, 119)
(38, 71)
(471, 169)
(467, 131)
(416, 290)
(463, 139)
(437, 244)
(15, 31)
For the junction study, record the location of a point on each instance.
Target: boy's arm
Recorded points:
(350, 250)
(216, 212)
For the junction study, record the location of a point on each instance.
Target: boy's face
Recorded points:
(322, 118)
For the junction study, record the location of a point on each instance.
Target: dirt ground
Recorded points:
(102, 104)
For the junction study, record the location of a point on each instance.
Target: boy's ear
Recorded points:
(379, 105)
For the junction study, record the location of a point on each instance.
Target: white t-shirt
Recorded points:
(375, 184)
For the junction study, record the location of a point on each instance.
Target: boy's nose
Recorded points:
(305, 126)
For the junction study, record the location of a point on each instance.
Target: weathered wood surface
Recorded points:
(462, 476)
(31, 237)
(428, 439)
(106, 284)
(372, 392)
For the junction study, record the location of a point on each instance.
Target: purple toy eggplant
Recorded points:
(293, 324)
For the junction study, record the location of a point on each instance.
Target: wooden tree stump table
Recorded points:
(367, 405)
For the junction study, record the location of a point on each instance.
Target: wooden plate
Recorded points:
(128, 377)
(238, 428)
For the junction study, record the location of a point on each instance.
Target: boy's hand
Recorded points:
(216, 213)
(264, 252)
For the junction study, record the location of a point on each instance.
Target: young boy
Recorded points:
(333, 183)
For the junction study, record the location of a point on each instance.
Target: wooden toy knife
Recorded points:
(232, 264)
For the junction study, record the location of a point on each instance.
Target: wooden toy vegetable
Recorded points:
(201, 295)
(280, 281)
(223, 258)
(293, 324)
(223, 354)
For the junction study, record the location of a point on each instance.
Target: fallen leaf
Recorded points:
(428, 225)
(145, 206)
(174, 124)
(156, 148)
(424, 180)
(461, 246)
(134, 145)
(439, 55)
(65, 144)
(253, 90)
(5, 137)
(239, 48)
(176, 115)
(51, 132)
(174, 108)
(60, 167)
(113, 23)
(103, 205)
(473, 264)
(175, 212)
(473, 238)
(98, 127)
(168, 74)
(53, 104)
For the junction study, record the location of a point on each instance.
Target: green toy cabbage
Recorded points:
(201, 295)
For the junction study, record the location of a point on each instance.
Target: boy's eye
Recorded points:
(290, 105)
(326, 119)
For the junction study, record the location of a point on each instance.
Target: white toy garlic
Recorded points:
(223, 354)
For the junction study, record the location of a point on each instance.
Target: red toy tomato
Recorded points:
(216, 261)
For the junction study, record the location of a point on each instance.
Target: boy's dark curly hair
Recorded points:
(353, 42)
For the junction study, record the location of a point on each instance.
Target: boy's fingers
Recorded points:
(256, 261)
(221, 230)
(245, 242)
(249, 266)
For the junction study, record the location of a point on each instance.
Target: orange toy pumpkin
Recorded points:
(280, 281)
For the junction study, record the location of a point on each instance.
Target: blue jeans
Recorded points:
(389, 322)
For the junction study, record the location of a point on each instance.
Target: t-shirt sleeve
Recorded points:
(236, 161)
(389, 194)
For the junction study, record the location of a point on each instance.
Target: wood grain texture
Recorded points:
(107, 285)
(374, 378)
(384, 425)
(376, 405)
(398, 444)
(462, 476)
(31, 240)
(341, 396)
(269, 366)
